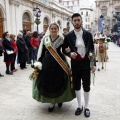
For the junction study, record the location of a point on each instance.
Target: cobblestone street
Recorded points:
(16, 101)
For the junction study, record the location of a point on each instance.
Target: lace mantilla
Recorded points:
(55, 44)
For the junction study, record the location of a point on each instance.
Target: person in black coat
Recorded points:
(8, 58)
(81, 52)
(1, 47)
(1, 52)
(27, 41)
(22, 51)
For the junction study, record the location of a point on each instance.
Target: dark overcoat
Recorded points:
(8, 46)
(22, 50)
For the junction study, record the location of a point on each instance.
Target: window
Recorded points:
(65, 3)
(75, 3)
(70, 3)
(26, 17)
(86, 19)
(104, 12)
(86, 26)
(86, 13)
(81, 13)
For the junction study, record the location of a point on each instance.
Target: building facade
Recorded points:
(88, 16)
(107, 8)
(16, 15)
(74, 5)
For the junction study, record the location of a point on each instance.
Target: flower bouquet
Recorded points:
(37, 66)
(93, 68)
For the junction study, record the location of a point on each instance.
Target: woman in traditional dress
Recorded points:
(53, 84)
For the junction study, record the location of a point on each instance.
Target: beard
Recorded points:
(77, 26)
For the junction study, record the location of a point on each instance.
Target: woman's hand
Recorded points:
(68, 49)
(93, 69)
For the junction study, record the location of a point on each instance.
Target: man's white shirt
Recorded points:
(80, 43)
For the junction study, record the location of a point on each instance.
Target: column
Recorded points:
(12, 19)
(7, 11)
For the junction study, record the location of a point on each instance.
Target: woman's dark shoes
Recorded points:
(1, 75)
(50, 109)
(23, 68)
(60, 105)
(78, 111)
(9, 73)
(87, 112)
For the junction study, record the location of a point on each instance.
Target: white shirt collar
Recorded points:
(80, 32)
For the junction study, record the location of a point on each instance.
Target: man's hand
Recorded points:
(93, 69)
(73, 55)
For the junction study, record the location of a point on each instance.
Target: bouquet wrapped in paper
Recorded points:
(37, 66)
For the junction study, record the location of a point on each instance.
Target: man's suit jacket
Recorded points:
(70, 41)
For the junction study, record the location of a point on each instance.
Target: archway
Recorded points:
(1, 23)
(45, 24)
(26, 22)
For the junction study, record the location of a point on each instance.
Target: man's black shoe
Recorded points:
(102, 67)
(50, 109)
(87, 112)
(98, 69)
(78, 111)
(1, 75)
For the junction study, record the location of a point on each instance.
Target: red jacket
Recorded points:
(14, 46)
(34, 42)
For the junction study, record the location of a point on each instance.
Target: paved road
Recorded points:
(16, 102)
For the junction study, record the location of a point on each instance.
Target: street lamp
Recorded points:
(37, 14)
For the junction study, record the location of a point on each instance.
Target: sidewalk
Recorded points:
(16, 101)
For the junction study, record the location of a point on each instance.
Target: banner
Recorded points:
(101, 24)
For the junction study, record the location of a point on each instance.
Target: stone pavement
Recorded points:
(16, 102)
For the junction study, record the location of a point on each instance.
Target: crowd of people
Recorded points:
(115, 37)
(24, 47)
(52, 71)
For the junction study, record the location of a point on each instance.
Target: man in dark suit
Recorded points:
(82, 57)
(27, 39)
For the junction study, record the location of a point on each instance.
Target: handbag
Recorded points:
(9, 52)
